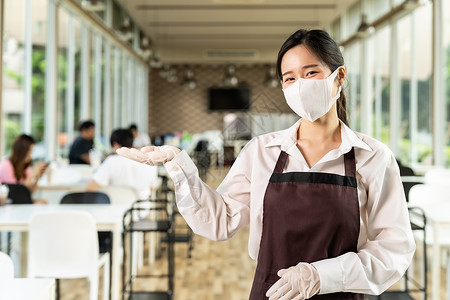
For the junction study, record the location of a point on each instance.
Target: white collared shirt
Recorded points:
(120, 171)
(385, 243)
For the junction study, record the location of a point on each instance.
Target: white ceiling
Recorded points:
(182, 30)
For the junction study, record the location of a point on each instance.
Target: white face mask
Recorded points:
(311, 98)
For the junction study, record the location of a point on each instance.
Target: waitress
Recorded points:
(325, 204)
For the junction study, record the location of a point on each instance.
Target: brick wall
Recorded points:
(173, 108)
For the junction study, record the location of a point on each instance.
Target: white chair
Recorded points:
(438, 176)
(64, 244)
(428, 197)
(6, 267)
(126, 195)
(120, 194)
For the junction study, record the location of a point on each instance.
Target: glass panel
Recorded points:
(404, 72)
(69, 79)
(383, 62)
(104, 136)
(39, 39)
(446, 49)
(423, 60)
(63, 68)
(107, 93)
(91, 38)
(353, 86)
(77, 75)
(13, 71)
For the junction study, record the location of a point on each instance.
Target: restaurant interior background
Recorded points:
(119, 62)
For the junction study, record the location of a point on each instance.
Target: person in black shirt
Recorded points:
(79, 151)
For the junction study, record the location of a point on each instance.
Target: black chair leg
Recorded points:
(58, 290)
(8, 244)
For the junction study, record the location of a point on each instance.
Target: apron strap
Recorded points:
(281, 162)
(350, 165)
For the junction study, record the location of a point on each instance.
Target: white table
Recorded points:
(420, 179)
(28, 289)
(438, 218)
(108, 217)
(53, 193)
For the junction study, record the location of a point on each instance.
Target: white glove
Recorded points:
(297, 283)
(150, 155)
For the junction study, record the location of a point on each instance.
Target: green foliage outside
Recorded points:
(12, 130)
(38, 94)
(13, 126)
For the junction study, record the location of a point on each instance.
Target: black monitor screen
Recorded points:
(229, 98)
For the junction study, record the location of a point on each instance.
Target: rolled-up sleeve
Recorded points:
(214, 215)
(384, 257)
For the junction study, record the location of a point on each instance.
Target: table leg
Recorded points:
(23, 254)
(436, 266)
(115, 265)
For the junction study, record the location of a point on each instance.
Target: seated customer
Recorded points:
(17, 168)
(141, 139)
(120, 171)
(79, 151)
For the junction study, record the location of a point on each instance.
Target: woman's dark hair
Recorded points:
(123, 137)
(327, 51)
(20, 149)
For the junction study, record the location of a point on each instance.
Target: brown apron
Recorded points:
(307, 217)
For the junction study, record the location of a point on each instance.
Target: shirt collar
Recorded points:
(287, 138)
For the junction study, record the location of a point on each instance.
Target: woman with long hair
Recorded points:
(17, 168)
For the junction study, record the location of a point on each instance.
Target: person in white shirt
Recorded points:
(119, 171)
(140, 139)
(325, 205)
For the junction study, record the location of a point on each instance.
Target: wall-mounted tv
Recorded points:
(229, 98)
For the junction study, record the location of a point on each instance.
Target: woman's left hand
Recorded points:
(296, 283)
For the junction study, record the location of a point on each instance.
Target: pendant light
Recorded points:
(189, 80)
(125, 31)
(364, 29)
(271, 78)
(93, 5)
(230, 78)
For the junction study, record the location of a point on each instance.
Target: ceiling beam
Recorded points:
(232, 24)
(221, 36)
(239, 7)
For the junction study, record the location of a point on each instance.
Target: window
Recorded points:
(404, 82)
(13, 88)
(38, 66)
(353, 87)
(381, 62)
(421, 136)
(25, 34)
(414, 66)
(96, 77)
(446, 52)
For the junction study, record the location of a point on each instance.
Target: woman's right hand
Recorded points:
(39, 169)
(151, 155)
